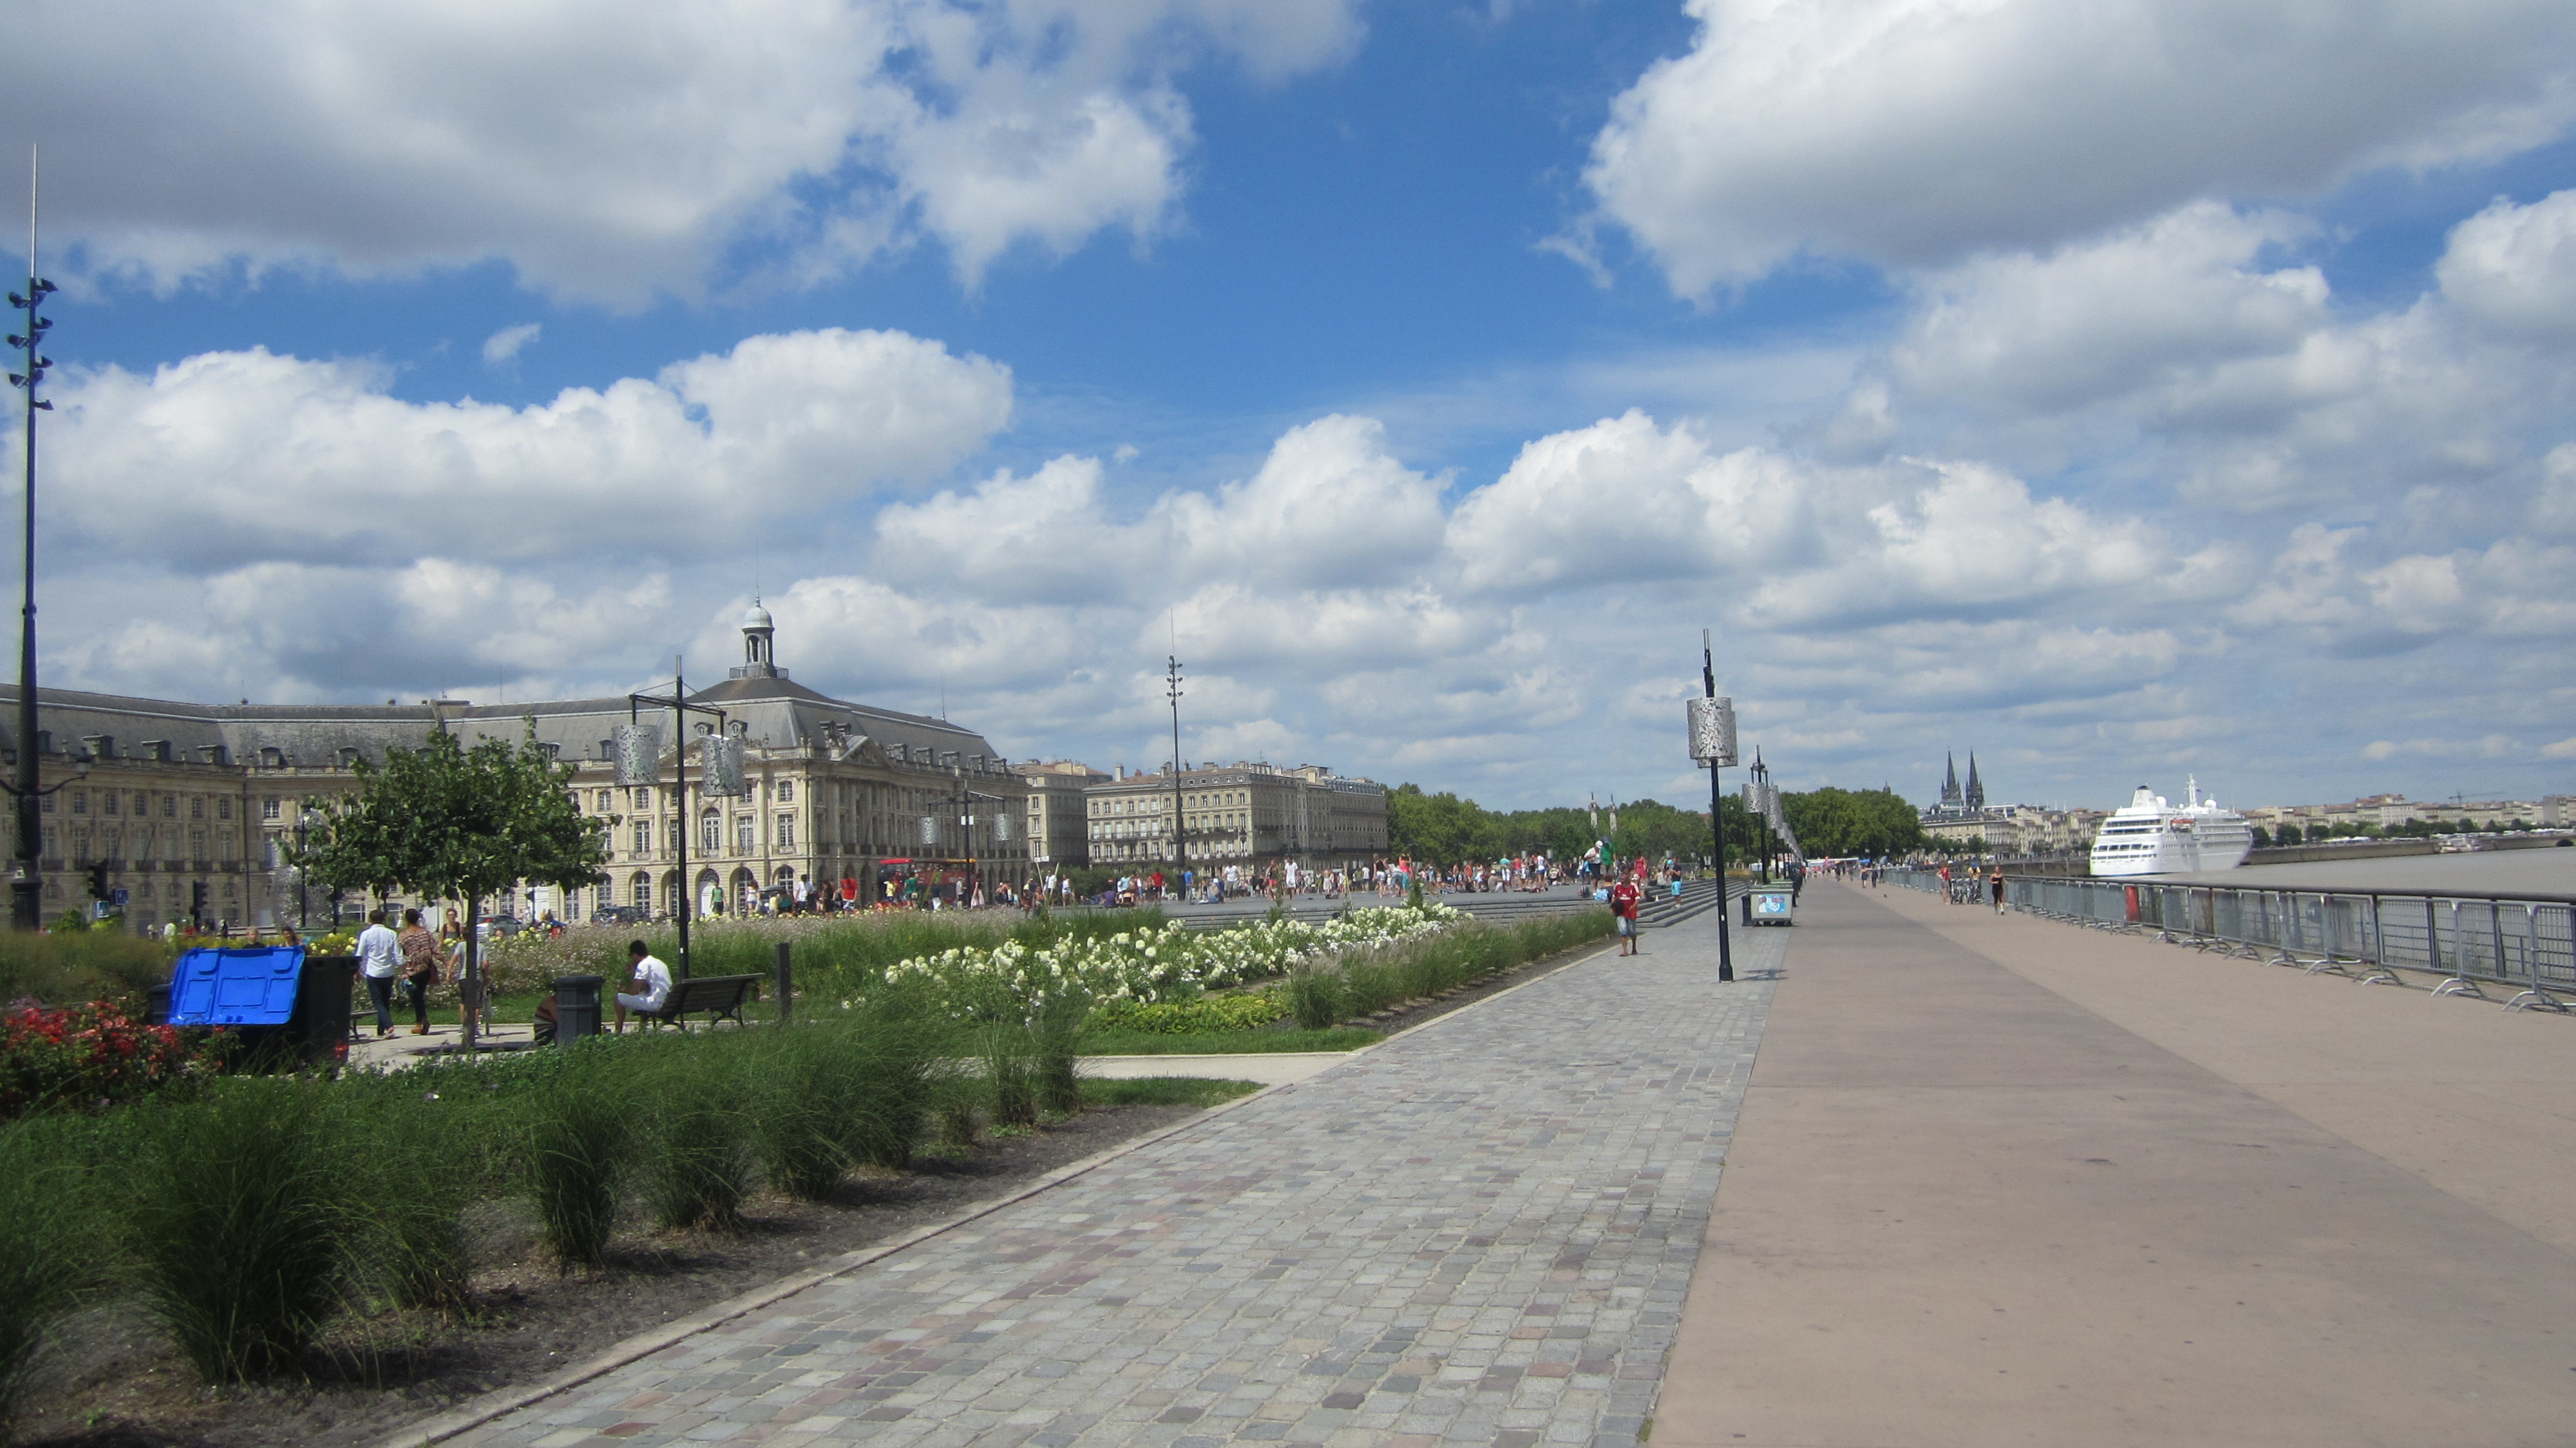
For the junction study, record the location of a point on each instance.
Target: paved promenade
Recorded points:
(1481, 1232)
(2002, 1181)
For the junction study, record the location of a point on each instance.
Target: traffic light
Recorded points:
(98, 882)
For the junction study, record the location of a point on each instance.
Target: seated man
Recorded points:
(651, 982)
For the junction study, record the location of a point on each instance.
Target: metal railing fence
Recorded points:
(1965, 886)
(2523, 941)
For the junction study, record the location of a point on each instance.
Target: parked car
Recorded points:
(620, 915)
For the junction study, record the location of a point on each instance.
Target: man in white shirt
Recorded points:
(651, 984)
(379, 958)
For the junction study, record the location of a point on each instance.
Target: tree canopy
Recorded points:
(1445, 829)
(1875, 822)
(451, 823)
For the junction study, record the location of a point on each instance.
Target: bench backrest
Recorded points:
(695, 993)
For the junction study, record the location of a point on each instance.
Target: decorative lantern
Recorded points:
(1712, 732)
(720, 767)
(639, 754)
(930, 831)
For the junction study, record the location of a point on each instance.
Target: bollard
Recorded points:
(576, 1007)
(786, 981)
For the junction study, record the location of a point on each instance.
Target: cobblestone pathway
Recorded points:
(1479, 1233)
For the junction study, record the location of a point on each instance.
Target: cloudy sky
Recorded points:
(2119, 389)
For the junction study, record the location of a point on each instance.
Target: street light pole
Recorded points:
(680, 708)
(26, 905)
(1761, 810)
(1172, 691)
(1716, 814)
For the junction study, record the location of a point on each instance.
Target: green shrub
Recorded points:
(1238, 1012)
(52, 1250)
(83, 1056)
(239, 1222)
(1165, 1091)
(63, 966)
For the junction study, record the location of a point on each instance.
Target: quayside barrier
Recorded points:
(2523, 943)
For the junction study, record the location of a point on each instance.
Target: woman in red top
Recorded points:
(1623, 907)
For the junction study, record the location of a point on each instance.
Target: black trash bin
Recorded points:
(319, 1029)
(577, 1006)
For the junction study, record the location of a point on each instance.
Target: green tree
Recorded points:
(450, 823)
(1874, 822)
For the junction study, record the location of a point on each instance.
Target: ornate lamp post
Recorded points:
(1712, 743)
(26, 905)
(1758, 795)
(1172, 691)
(639, 761)
(305, 824)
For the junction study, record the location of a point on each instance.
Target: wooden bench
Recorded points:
(719, 996)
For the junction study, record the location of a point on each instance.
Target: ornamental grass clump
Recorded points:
(840, 1092)
(240, 1222)
(1054, 1028)
(575, 1139)
(53, 1252)
(413, 1174)
(1314, 997)
(1010, 1073)
(697, 1139)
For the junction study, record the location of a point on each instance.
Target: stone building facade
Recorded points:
(1059, 832)
(181, 796)
(1246, 814)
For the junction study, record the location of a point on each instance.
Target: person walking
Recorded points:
(1997, 886)
(420, 954)
(1623, 911)
(379, 960)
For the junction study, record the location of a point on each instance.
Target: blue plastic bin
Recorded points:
(247, 987)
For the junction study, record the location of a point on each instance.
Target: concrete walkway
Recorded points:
(2001, 1181)
(1479, 1232)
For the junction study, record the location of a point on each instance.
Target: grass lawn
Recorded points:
(1165, 1091)
(1224, 1043)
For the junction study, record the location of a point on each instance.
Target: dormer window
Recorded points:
(272, 758)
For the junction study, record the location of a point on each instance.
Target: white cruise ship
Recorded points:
(2150, 836)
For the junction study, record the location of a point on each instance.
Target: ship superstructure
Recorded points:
(2151, 835)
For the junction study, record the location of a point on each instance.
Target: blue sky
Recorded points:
(2118, 391)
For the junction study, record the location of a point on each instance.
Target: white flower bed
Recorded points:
(1169, 964)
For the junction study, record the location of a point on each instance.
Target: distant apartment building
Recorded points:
(1059, 831)
(1243, 814)
(2389, 811)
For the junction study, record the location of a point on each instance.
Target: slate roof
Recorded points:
(775, 712)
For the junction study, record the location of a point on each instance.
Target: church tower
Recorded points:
(1976, 787)
(1950, 782)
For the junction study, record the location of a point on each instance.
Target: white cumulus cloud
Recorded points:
(229, 456)
(616, 151)
(1915, 132)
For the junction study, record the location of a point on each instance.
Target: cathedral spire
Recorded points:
(1950, 781)
(1976, 787)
